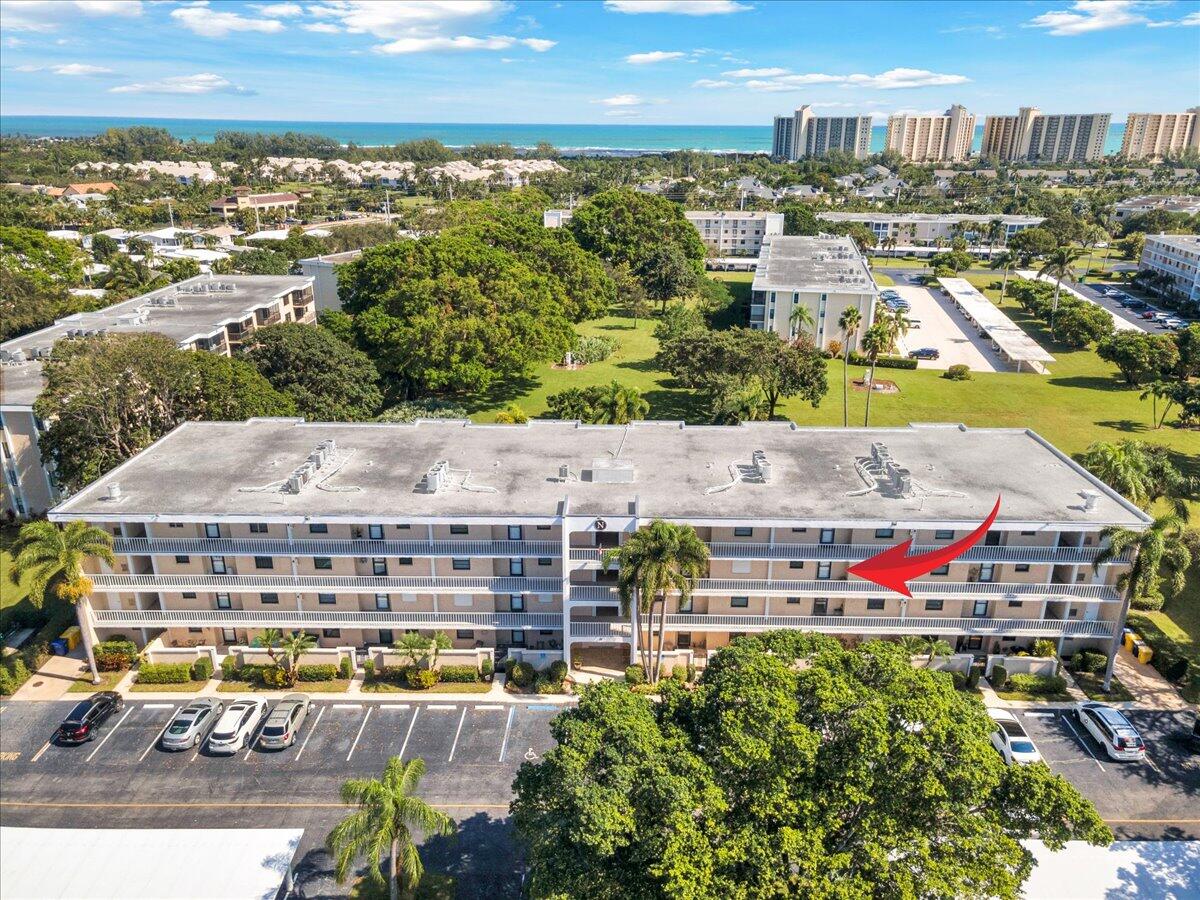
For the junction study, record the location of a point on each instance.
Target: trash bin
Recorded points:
(71, 636)
(1143, 651)
(1131, 639)
(58, 647)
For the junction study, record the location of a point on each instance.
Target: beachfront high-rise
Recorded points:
(1034, 136)
(923, 138)
(1153, 136)
(805, 134)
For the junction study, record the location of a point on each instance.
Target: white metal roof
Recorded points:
(1012, 341)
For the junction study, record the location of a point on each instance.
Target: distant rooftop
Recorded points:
(1013, 342)
(335, 259)
(812, 264)
(185, 312)
(1178, 241)
(941, 218)
(730, 214)
(287, 470)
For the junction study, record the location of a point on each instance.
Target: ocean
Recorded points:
(607, 138)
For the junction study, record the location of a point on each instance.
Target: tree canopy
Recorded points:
(623, 226)
(853, 776)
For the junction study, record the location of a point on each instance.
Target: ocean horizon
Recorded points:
(566, 137)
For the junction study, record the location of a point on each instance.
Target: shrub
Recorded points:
(691, 673)
(274, 676)
(164, 673)
(420, 679)
(202, 669)
(1148, 603)
(959, 679)
(544, 684)
(1046, 648)
(1036, 684)
(111, 662)
(114, 655)
(459, 674)
(522, 674)
(8, 684)
(487, 667)
(999, 676)
(346, 668)
(884, 362)
(557, 671)
(323, 672)
(635, 674)
(369, 668)
(229, 668)
(958, 372)
(1089, 661)
(835, 348)
(593, 348)
(973, 677)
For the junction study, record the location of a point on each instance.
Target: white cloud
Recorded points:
(48, 15)
(624, 113)
(893, 79)
(460, 42)
(713, 84)
(990, 30)
(27, 68)
(1191, 20)
(538, 45)
(769, 72)
(279, 10)
(211, 23)
(676, 7)
(80, 69)
(654, 56)
(322, 28)
(1090, 15)
(202, 83)
(621, 100)
(397, 19)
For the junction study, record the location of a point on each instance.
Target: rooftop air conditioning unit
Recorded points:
(435, 478)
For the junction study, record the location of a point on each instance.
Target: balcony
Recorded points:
(857, 552)
(350, 547)
(238, 618)
(865, 625)
(359, 584)
(724, 587)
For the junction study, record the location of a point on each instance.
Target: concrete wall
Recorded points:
(1045, 666)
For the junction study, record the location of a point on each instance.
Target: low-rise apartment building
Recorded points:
(930, 229)
(1033, 135)
(494, 534)
(1176, 258)
(1154, 136)
(241, 199)
(202, 313)
(824, 274)
(928, 138)
(735, 233)
(323, 271)
(1135, 206)
(804, 134)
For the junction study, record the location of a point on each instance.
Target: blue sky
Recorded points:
(638, 61)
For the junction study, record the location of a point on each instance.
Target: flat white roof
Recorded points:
(145, 864)
(1162, 870)
(1012, 341)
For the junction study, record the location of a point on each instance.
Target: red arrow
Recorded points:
(892, 568)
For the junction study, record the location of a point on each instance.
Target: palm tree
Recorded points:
(655, 561)
(1005, 262)
(294, 646)
(44, 552)
(131, 278)
(418, 648)
(801, 318)
(849, 321)
(618, 404)
(1123, 466)
(1092, 235)
(269, 639)
(387, 810)
(1159, 390)
(1059, 265)
(1159, 548)
(876, 341)
(930, 647)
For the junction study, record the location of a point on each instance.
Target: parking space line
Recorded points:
(408, 734)
(454, 746)
(38, 755)
(1041, 715)
(440, 706)
(158, 737)
(482, 706)
(346, 705)
(361, 728)
(1082, 742)
(110, 734)
(394, 706)
(512, 711)
(157, 706)
(308, 736)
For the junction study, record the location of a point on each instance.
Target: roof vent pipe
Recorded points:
(114, 491)
(1089, 500)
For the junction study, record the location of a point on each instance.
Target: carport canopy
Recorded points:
(145, 864)
(1013, 343)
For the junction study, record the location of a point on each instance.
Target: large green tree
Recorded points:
(329, 380)
(149, 387)
(1139, 356)
(624, 226)
(854, 775)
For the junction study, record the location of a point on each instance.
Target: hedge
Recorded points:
(522, 674)
(635, 674)
(324, 672)
(202, 669)
(346, 668)
(1089, 661)
(115, 655)
(487, 668)
(1036, 684)
(883, 362)
(164, 673)
(998, 677)
(420, 679)
(459, 674)
(557, 671)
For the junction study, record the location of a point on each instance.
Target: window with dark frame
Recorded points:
(318, 528)
(944, 534)
(326, 599)
(268, 598)
(259, 528)
(932, 604)
(322, 562)
(212, 530)
(743, 531)
(375, 532)
(885, 532)
(739, 602)
(460, 565)
(378, 566)
(820, 606)
(223, 602)
(331, 632)
(795, 564)
(459, 529)
(182, 558)
(464, 634)
(875, 603)
(264, 562)
(383, 601)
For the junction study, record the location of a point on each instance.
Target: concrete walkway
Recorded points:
(55, 677)
(1148, 687)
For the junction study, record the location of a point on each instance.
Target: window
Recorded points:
(517, 637)
(386, 637)
(383, 601)
(378, 566)
(516, 567)
(976, 642)
(264, 562)
(795, 564)
(195, 631)
(228, 635)
(992, 539)
(739, 602)
(514, 532)
(941, 570)
(223, 602)
(258, 528)
(461, 565)
(683, 640)
(403, 527)
(318, 528)
(189, 595)
(322, 562)
(268, 598)
(464, 634)
(1015, 603)
(987, 571)
(404, 561)
(1028, 533)
(826, 535)
(326, 598)
(821, 606)
(885, 532)
(212, 531)
(458, 529)
(1021, 567)
(331, 632)
(793, 601)
(543, 528)
(874, 603)
(175, 525)
(944, 534)
(934, 604)
(375, 532)
(823, 570)
(516, 602)
(742, 531)
(544, 560)
(218, 565)
(182, 558)
(799, 530)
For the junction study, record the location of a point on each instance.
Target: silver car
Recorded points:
(235, 728)
(192, 724)
(284, 722)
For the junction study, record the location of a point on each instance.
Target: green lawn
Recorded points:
(188, 687)
(337, 686)
(447, 687)
(1175, 628)
(1038, 698)
(1093, 685)
(108, 681)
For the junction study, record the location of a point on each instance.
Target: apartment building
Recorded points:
(1032, 135)
(944, 138)
(932, 229)
(1136, 206)
(241, 199)
(494, 534)
(202, 313)
(735, 233)
(323, 271)
(1154, 136)
(1176, 257)
(824, 274)
(805, 134)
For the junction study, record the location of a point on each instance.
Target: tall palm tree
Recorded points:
(380, 828)
(658, 560)
(876, 341)
(1159, 390)
(849, 321)
(619, 404)
(1159, 548)
(1059, 265)
(1092, 235)
(1124, 466)
(1005, 261)
(294, 646)
(129, 278)
(930, 647)
(44, 553)
(801, 318)
(269, 639)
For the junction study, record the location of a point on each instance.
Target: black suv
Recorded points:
(82, 722)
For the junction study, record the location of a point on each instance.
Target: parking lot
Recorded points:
(943, 327)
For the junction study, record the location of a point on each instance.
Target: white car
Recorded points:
(1107, 725)
(1011, 741)
(236, 726)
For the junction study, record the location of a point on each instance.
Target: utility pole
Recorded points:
(387, 206)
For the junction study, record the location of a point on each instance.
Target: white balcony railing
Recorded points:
(359, 584)
(725, 587)
(253, 618)
(860, 625)
(314, 547)
(855, 552)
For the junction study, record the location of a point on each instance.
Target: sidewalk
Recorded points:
(1148, 687)
(54, 678)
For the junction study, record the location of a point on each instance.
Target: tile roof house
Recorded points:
(88, 187)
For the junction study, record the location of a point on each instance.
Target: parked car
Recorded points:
(284, 722)
(1193, 740)
(914, 323)
(889, 294)
(192, 724)
(1011, 740)
(1149, 314)
(1136, 305)
(1108, 726)
(84, 720)
(1173, 323)
(925, 353)
(235, 728)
